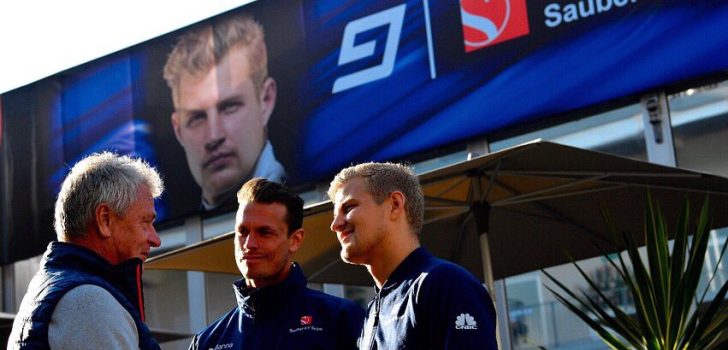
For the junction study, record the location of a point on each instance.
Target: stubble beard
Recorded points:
(266, 275)
(359, 252)
(348, 254)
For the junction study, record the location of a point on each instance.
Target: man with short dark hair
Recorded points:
(275, 308)
(422, 302)
(88, 291)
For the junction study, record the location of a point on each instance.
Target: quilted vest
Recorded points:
(63, 267)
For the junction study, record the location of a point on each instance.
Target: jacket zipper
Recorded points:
(377, 306)
(140, 294)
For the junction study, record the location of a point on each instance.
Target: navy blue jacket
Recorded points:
(64, 267)
(429, 303)
(285, 315)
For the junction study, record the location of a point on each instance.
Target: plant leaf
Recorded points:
(664, 289)
(602, 332)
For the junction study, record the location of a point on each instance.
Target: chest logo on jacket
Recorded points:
(465, 321)
(307, 322)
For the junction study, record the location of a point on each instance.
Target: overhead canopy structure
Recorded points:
(535, 202)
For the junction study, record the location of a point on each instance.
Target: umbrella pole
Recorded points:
(503, 339)
(480, 211)
(485, 260)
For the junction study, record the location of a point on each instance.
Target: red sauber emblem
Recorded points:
(489, 22)
(306, 320)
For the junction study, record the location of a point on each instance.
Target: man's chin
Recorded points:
(350, 258)
(220, 188)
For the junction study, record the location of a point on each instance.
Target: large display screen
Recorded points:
(296, 90)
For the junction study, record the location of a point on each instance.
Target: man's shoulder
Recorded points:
(216, 331)
(437, 278)
(90, 301)
(94, 310)
(223, 321)
(90, 296)
(439, 269)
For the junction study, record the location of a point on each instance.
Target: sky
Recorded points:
(39, 38)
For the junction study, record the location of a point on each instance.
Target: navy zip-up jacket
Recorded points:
(429, 303)
(286, 315)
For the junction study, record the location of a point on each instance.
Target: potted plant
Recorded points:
(669, 310)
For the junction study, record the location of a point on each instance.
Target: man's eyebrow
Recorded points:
(231, 98)
(256, 228)
(346, 201)
(186, 112)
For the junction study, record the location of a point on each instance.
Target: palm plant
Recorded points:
(668, 312)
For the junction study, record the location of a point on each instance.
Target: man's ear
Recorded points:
(103, 220)
(268, 95)
(397, 201)
(295, 240)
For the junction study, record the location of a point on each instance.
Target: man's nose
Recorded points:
(154, 239)
(250, 241)
(216, 131)
(337, 223)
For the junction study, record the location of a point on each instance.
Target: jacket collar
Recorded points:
(125, 276)
(260, 301)
(405, 270)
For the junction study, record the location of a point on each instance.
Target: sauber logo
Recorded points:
(306, 323)
(489, 22)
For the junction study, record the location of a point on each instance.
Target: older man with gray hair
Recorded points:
(88, 291)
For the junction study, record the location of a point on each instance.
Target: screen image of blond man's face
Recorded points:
(220, 121)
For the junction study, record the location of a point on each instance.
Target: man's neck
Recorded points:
(264, 282)
(90, 242)
(210, 203)
(394, 253)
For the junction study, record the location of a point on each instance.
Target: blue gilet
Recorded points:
(64, 267)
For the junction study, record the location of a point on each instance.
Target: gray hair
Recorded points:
(101, 178)
(381, 180)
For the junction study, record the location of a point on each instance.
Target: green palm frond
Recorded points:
(665, 289)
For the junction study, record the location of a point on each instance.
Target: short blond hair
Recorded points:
(202, 47)
(382, 179)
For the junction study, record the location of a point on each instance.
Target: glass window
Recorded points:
(166, 304)
(713, 279)
(619, 131)
(220, 294)
(700, 131)
(22, 271)
(700, 128)
(536, 317)
(440, 162)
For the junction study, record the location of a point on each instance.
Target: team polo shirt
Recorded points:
(429, 303)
